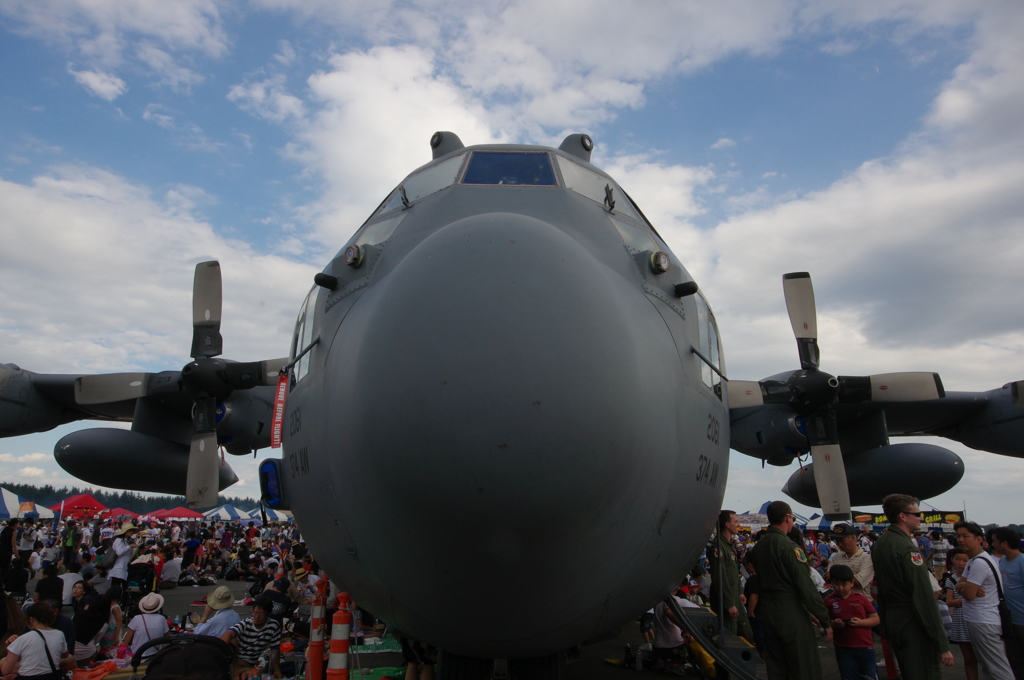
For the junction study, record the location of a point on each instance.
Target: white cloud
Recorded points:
(131, 258)
(31, 472)
(153, 115)
(169, 72)
(103, 85)
(102, 30)
(267, 99)
(724, 143)
(26, 458)
(376, 113)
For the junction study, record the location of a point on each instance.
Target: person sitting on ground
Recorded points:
(90, 625)
(668, 648)
(279, 593)
(218, 616)
(853, 616)
(16, 579)
(41, 654)
(80, 599)
(172, 569)
(253, 637)
(148, 625)
(111, 637)
(70, 578)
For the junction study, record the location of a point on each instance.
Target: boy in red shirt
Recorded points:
(853, 616)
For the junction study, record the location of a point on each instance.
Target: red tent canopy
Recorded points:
(157, 514)
(182, 512)
(82, 505)
(120, 514)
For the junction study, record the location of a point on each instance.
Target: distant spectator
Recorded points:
(8, 545)
(16, 579)
(980, 591)
(1005, 544)
(940, 549)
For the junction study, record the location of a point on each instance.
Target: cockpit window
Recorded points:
(596, 188)
(424, 183)
(710, 345)
(303, 336)
(510, 168)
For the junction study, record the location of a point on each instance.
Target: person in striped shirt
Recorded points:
(253, 637)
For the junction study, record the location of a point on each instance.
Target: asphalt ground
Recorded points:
(591, 665)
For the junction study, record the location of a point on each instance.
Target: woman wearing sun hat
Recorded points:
(218, 616)
(123, 547)
(147, 625)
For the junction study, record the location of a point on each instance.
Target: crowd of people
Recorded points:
(97, 595)
(784, 589)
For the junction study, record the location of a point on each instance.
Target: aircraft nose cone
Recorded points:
(499, 392)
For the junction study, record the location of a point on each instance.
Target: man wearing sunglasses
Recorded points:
(906, 601)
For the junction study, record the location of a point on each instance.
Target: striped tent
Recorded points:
(801, 521)
(272, 516)
(225, 512)
(13, 505)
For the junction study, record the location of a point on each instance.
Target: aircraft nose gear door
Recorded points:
(731, 653)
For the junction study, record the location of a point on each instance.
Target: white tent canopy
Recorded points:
(272, 515)
(13, 505)
(226, 512)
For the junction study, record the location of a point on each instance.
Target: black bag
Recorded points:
(108, 559)
(197, 657)
(1005, 617)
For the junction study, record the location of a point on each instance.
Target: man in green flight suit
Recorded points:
(788, 601)
(727, 584)
(906, 602)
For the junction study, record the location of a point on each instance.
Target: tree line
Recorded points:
(129, 500)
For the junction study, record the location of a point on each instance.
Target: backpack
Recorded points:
(108, 559)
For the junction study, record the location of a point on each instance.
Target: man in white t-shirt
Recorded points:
(979, 588)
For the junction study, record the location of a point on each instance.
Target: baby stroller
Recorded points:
(198, 657)
(141, 581)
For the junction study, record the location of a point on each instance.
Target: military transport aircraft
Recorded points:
(505, 415)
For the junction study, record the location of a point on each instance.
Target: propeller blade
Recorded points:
(203, 481)
(803, 316)
(111, 387)
(206, 310)
(906, 387)
(245, 375)
(829, 471)
(744, 393)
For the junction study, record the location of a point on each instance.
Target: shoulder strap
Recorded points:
(46, 648)
(999, 588)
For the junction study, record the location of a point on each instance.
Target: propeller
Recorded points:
(814, 394)
(207, 379)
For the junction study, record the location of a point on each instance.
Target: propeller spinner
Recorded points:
(207, 379)
(813, 394)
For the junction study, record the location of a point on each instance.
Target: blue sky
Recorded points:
(876, 145)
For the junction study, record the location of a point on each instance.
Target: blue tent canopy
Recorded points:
(13, 505)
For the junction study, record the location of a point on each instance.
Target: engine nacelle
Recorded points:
(999, 428)
(122, 459)
(767, 432)
(919, 470)
(23, 409)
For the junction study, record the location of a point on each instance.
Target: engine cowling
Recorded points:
(122, 459)
(919, 470)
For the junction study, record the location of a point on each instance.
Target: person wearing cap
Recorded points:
(123, 546)
(906, 598)
(849, 552)
(788, 601)
(148, 625)
(218, 616)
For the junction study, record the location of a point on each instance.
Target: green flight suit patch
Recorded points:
(800, 555)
